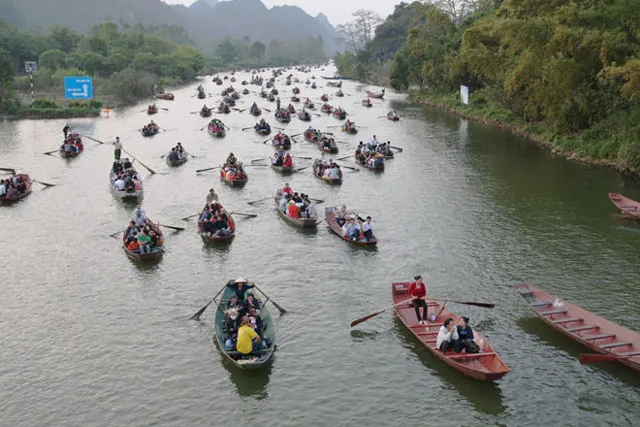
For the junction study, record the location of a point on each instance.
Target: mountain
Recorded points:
(205, 20)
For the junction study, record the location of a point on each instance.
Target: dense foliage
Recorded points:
(567, 70)
(127, 63)
(245, 53)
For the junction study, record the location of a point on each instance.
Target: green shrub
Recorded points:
(43, 104)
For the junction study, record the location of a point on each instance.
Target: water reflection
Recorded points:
(485, 396)
(249, 383)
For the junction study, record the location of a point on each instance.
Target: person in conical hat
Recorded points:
(240, 286)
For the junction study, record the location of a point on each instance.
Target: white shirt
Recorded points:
(366, 226)
(119, 185)
(311, 210)
(445, 335)
(139, 220)
(118, 145)
(333, 173)
(3, 190)
(140, 212)
(283, 204)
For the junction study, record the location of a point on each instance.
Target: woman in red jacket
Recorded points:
(418, 291)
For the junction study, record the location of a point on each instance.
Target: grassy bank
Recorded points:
(611, 143)
(46, 109)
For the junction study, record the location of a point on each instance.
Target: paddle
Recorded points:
(369, 316)
(8, 170)
(49, 153)
(207, 169)
(305, 158)
(256, 201)
(44, 183)
(344, 158)
(116, 233)
(172, 227)
(186, 218)
(265, 141)
(244, 214)
(280, 309)
(301, 169)
(243, 129)
(397, 148)
(475, 304)
(278, 128)
(151, 171)
(266, 109)
(349, 167)
(587, 359)
(165, 109)
(259, 160)
(93, 139)
(199, 313)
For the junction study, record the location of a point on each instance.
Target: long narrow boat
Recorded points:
(281, 141)
(298, 222)
(485, 365)
(368, 165)
(255, 360)
(11, 197)
(156, 251)
(178, 162)
(331, 181)
(216, 128)
(77, 143)
(209, 238)
(230, 177)
(282, 169)
(590, 330)
(330, 218)
(625, 205)
(376, 95)
(123, 194)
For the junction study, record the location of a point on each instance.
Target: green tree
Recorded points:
(6, 75)
(52, 59)
(258, 50)
(226, 51)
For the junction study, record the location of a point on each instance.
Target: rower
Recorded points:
(212, 196)
(117, 149)
(418, 291)
(66, 129)
(232, 160)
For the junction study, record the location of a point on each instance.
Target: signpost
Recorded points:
(78, 88)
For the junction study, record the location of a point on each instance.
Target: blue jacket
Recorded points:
(465, 333)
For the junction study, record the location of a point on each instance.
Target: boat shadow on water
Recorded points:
(549, 336)
(485, 396)
(251, 383)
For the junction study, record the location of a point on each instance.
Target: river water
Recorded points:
(90, 338)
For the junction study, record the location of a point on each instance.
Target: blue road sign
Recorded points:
(78, 87)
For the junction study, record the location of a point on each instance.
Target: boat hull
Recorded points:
(330, 218)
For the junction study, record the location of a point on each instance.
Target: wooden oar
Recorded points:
(349, 167)
(93, 139)
(259, 160)
(265, 141)
(280, 309)
(207, 169)
(199, 313)
(151, 171)
(116, 233)
(475, 304)
(369, 316)
(301, 169)
(172, 227)
(243, 129)
(44, 183)
(275, 127)
(397, 148)
(266, 109)
(305, 158)
(344, 158)
(587, 359)
(318, 201)
(244, 214)
(165, 109)
(261, 200)
(48, 153)
(189, 217)
(8, 170)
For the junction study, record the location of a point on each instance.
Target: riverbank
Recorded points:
(610, 144)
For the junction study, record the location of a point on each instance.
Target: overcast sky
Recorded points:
(338, 11)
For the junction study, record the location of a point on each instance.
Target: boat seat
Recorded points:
(568, 320)
(598, 337)
(630, 353)
(552, 312)
(525, 292)
(430, 341)
(540, 303)
(617, 344)
(582, 328)
(420, 334)
(428, 325)
(471, 355)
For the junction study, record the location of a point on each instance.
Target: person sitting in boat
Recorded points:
(251, 303)
(173, 155)
(287, 161)
(418, 291)
(465, 335)
(130, 230)
(284, 201)
(348, 125)
(240, 286)
(234, 302)
(333, 172)
(139, 216)
(448, 337)
(144, 241)
(248, 339)
(340, 215)
(373, 143)
(367, 229)
(133, 245)
(310, 209)
(352, 231)
(232, 160)
(292, 209)
(129, 185)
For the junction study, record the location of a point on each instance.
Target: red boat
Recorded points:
(600, 335)
(485, 365)
(625, 205)
(377, 95)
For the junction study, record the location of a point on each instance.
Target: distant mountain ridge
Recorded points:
(205, 20)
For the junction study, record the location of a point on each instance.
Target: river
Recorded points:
(90, 338)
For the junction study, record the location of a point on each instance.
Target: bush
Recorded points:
(86, 104)
(43, 104)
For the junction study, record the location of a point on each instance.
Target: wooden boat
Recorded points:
(254, 360)
(262, 131)
(314, 86)
(330, 218)
(351, 129)
(224, 109)
(326, 108)
(216, 128)
(281, 142)
(328, 145)
(156, 251)
(255, 111)
(166, 96)
(304, 116)
(178, 162)
(485, 365)
(271, 98)
(309, 105)
(376, 95)
(209, 238)
(324, 98)
(229, 102)
(590, 330)
(298, 222)
(282, 169)
(283, 116)
(339, 114)
(245, 91)
(150, 130)
(11, 197)
(333, 84)
(331, 181)
(206, 112)
(202, 94)
(230, 178)
(367, 103)
(367, 165)
(123, 194)
(296, 91)
(312, 135)
(152, 109)
(77, 143)
(295, 99)
(626, 206)
(291, 109)
(392, 117)
(274, 91)
(339, 93)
